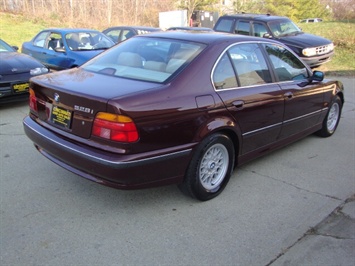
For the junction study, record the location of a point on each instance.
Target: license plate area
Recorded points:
(21, 87)
(61, 117)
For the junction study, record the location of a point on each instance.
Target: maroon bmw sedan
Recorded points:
(179, 107)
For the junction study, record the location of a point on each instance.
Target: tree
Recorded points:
(312, 9)
(296, 9)
(247, 6)
(288, 8)
(341, 10)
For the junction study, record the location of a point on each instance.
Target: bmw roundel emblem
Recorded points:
(56, 97)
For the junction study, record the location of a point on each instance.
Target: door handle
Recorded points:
(288, 95)
(238, 104)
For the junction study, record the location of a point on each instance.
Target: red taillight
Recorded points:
(115, 127)
(33, 100)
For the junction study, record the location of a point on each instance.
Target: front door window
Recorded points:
(287, 66)
(259, 29)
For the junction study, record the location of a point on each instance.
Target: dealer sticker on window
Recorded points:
(61, 117)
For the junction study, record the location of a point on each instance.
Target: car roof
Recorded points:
(312, 18)
(70, 30)
(191, 28)
(205, 37)
(134, 27)
(263, 17)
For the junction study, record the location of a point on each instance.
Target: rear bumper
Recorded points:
(115, 170)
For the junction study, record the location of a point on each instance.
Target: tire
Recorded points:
(331, 120)
(210, 168)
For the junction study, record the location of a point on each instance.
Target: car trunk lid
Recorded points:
(69, 100)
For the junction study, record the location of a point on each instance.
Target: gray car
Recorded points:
(121, 33)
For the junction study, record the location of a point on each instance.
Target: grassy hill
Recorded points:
(16, 29)
(342, 33)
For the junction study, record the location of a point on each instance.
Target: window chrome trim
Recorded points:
(245, 87)
(219, 59)
(258, 42)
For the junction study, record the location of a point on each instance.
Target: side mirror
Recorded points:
(267, 35)
(318, 76)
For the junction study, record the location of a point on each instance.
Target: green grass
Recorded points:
(16, 29)
(343, 36)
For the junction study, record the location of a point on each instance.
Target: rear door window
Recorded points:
(224, 25)
(114, 35)
(242, 65)
(224, 74)
(54, 41)
(126, 34)
(250, 64)
(242, 27)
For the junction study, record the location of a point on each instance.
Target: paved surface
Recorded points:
(292, 207)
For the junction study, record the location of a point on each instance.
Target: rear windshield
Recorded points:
(146, 59)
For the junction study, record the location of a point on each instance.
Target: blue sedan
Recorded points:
(66, 48)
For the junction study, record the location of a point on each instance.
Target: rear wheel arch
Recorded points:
(220, 147)
(232, 135)
(222, 125)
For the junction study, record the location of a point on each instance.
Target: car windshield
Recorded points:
(284, 27)
(4, 47)
(146, 59)
(79, 41)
